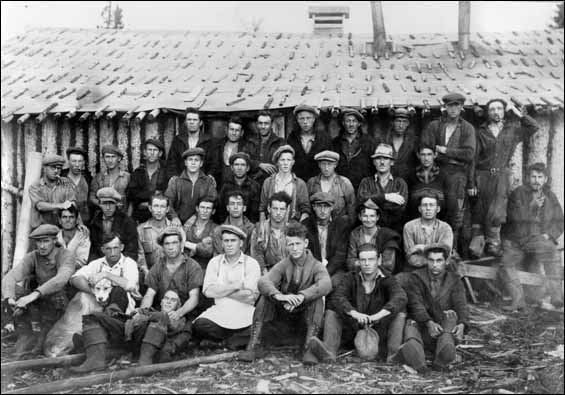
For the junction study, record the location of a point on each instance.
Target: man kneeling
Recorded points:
(437, 311)
(363, 298)
(291, 290)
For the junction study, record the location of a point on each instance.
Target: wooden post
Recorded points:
(539, 142)
(135, 129)
(8, 200)
(49, 136)
(379, 32)
(151, 129)
(65, 136)
(557, 160)
(464, 25)
(106, 137)
(279, 126)
(516, 166)
(123, 143)
(169, 133)
(92, 146)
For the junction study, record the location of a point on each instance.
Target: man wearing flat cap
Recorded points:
(236, 206)
(51, 193)
(231, 280)
(389, 192)
(307, 141)
(165, 334)
(81, 178)
(184, 191)
(150, 177)
(403, 142)
(354, 147)
(497, 139)
(111, 220)
(42, 300)
(337, 186)
(455, 142)
(111, 175)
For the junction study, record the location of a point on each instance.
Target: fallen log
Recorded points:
(66, 360)
(68, 384)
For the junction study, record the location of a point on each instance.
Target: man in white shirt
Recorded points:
(74, 237)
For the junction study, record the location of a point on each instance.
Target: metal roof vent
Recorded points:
(328, 20)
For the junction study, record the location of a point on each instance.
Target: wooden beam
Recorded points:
(464, 25)
(490, 273)
(66, 360)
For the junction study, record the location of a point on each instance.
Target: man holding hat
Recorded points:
(51, 193)
(339, 187)
(403, 142)
(112, 176)
(184, 191)
(167, 333)
(148, 178)
(81, 178)
(111, 220)
(354, 147)
(238, 179)
(307, 141)
(454, 141)
(231, 280)
(389, 192)
(42, 300)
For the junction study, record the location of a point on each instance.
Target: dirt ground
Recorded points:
(505, 356)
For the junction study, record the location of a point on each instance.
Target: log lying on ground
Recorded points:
(68, 384)
(66, 360)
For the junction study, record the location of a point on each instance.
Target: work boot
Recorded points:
(155, 336)
(95, 343)
(445, 346)
(411, 352)
(78, 343)
(24, 344)
(312, 331)
(40, 339)
(395, 332)
(326, 351)
(517, 294)
(253, 350)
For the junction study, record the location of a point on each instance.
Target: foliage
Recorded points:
(558, 18)
(112, 19)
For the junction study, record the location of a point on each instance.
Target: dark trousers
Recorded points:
(176, 339)
(113, 326)
(207, 329)
(455, 196)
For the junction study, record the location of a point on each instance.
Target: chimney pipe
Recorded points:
(379, 33)
(464, 25)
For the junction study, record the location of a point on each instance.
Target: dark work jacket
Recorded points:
(252, 194)
(336, 244)
(460, 147)
(305, 166)
(418, 187)
(217, 157)
(525, 221)
(175, 162)
(183, 195)
(405, 159)
(271, 145)
(422, 307)
(139, 190)
(360, 165)
(123, 225)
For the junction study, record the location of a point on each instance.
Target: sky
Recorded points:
(401, 17)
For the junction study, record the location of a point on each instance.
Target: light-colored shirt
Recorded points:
(323, 237)
(284, 186)
(415, 233)
(102, 180)
(149, 251)
(79, 245)
(307, 140)
(57, 192)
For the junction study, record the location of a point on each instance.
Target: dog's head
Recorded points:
(102, 290)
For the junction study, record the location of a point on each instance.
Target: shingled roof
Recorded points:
(63, 70)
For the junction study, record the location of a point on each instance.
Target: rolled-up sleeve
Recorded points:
(65, 269)
(18, 273)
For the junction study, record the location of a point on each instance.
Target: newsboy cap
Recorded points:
(453, 97)
(305, 107)
(75, 150)
(401, 113)
(240, 155)
(383, 151)
(354, 112)
(52, 160)
(234, 230)
(328, 155)
(112, 149)
(282, 149)
(155, 143)
(196, 151)
(437, 246)
(108, 194)
(369, 204)
(322, 197)
(169, 231)
(44, 230)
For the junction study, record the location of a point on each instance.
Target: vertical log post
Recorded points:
(49, 136)
(379, 32)
(135, 129)
(92, 146)
(106, 137)
(169, 134)
(539, 142)
(8, 200)
(123, 143)
(516, 166)
(557, 159)
(65, 136)
(464, 25)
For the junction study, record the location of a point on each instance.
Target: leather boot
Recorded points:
(95, 343)
(25, 343)
(445, 347)
(517, 294)
(155, 336)
(311, 332)
(253, 350)
(395, 332)
(326, 351)
(411, 352)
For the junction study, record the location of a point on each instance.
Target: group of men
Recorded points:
(351, 237)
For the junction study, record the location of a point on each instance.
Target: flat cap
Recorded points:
(112, 149)
(330, 156)
(504, 104)
(453, 97)
(322, 197)
(234, 230)
(370, 204)
(196, 151)
(240, 155)
(401, 113)
(438, 246)
(108, 194)
(52, 160)
(155, 143)
(383, 151)
(281, 150)
(75, 150)
(44, 230)
(305, 107)
(169, 231)
(354, 112)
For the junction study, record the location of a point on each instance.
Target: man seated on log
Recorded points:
(292, 290)
(42, 299)
(102, 328)
(231, 280)
(150, 177)
(74, 237)
(113, 176)
(437, 312)
(81, 178)
(363, 298)
(173, 283)
(268, 241)
(238, 179)
(236, 206)
(535, 222)
(111, 220)
(51, 193)
(386, 240)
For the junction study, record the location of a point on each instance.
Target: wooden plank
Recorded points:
(490, 273)
(43, 363)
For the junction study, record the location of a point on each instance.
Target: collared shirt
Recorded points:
(350, 148)
(496, 128)
(153, 177)
(282, 186)
(125, 268)
(81, 191)
(230, 148)
(221, 272)
(386, 180)
(323, 237)
(341, 190)
(268, 245)
(78, 245)
(120, 184)
(149, 250)
(307, 140)
(366, 296)
(449, 130)
(415, 233)
(57, 192)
